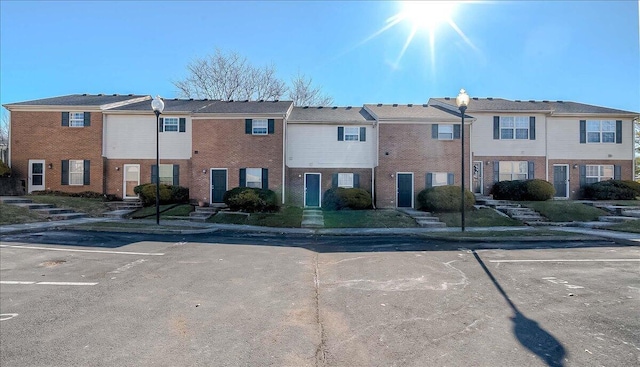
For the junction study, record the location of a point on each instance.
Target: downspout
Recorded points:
(546, 150)
(376, 126)
(284, 154)
(105, 171)
(9, 141)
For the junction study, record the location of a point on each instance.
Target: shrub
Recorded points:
(444, 199)
(611, 190)
(251, 199)
(147, 194)
(179, 194)
(518, 190)
(83, 194)
(344, 198)
(5, 171)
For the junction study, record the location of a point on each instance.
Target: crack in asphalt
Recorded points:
(321, 350)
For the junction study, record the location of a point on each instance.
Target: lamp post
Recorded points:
(462, 101)
(158, 106)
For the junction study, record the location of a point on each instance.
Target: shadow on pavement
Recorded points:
(528, 332)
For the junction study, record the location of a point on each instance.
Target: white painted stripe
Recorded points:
(564, 260)
(44, 283)
(90, 251)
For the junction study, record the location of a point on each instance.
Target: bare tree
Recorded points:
(230, 76)
(4, 128)
(636, 141)
(303, 93)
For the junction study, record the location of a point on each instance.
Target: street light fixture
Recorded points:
(158, 106)
(462, 101)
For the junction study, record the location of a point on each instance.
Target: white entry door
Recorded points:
(131, 180)
(36, 175)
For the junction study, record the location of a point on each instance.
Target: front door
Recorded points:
(36, 175)
(560, 182)
(131, 179)
(477, 177)
(405, 190)
(312, 189)
(218, 185)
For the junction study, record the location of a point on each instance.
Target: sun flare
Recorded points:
(427, 14)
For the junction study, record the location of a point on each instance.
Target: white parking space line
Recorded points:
(14, 282)
(90, 251)
(564, 260)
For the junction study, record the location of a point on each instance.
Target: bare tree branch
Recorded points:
(303, 93)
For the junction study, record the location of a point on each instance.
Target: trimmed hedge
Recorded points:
(83, 194)
(168, 194)
(5, 170)
(251, 200)
(343, 198)
(612, 190)
(523, 190)
(444, 199)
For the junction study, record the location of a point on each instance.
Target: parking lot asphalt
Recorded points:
(273, 301)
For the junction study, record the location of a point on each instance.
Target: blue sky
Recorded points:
(584, 51)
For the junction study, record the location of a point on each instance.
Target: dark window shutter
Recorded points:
(334, 180)
(532, 128)
(340, 133)
(496, 128)
(356, 180)
(183, 125)
(86, 171)
(87, 119)
(247, 126)
(531, 171)
(583, 175)
(243, 177)
(265, 178)
(271, 124)
(65, 172)
(496, 171)
(429, 180)
(583, 131)
(154, 173)
(363, 134)
(65, 119)
(450, 178)
(434, 131)
(176, 174)
(619, 132)
(456, 131)
(161, 125)
(617, 172)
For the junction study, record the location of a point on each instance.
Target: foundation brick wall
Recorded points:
(222, 143)
(114, 179)
(487, 170)
(40, 135)
(626, 171)
(410, 148)
(294, 190)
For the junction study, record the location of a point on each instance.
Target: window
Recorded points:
(601, 131)
(259, 127)
(514, 127)
(166, 174)
(254, 177)
(445, 132)
(439, 179)
(513, 170)
(351, 134)
(76, 172)
(599, 173)
(170, 124)
(76, 119)
(345, 180)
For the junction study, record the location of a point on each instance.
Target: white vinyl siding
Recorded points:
(345, 180)
(171, 124)
(76, 172)
(259, 126)
(513, 170)
(445, 132)
(597, 173)
(254, 177)
(76, 119)
(514, 127)
(601, 131)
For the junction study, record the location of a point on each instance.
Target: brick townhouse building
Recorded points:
(106, 143)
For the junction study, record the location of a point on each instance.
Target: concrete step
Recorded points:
(33, 206)
(119, 213)
(66, 216)
(616, 218)
(14, 200)
(631, 213)
(207, 209)
(528, 218)
(426, 219)
(430, 224)
(125, 204)
(311, 224)
(53, 210)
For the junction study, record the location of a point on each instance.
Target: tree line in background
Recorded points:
(230, 76)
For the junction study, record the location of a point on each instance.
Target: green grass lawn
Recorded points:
(367, 219)
(565, 211)
(477, 218)
(287, 217)
(499, 234)
(628, 226)
(174, 210)
(91, 207)
(11, 214)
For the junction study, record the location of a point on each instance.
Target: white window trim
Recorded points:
(356, 135)
(434, 182)
(513, 172)
(439, 132)
(259, 178)
(254, 127)
(600, 176)
(600, 132)
(76, 119)
(177, 124)
(347, 177)
(515, 127)
(72, 165)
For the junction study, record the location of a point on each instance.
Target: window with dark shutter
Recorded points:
(86, 179)
(176, 174)
(532, 128)
(248, 124)
(64, 172)
(271, 129)
(340, 133)
(65, 119)
(496, 128)
(243, 177)
(182, 125)
(265, 178)
(363, 134)
(87, 119)
(583, 131)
